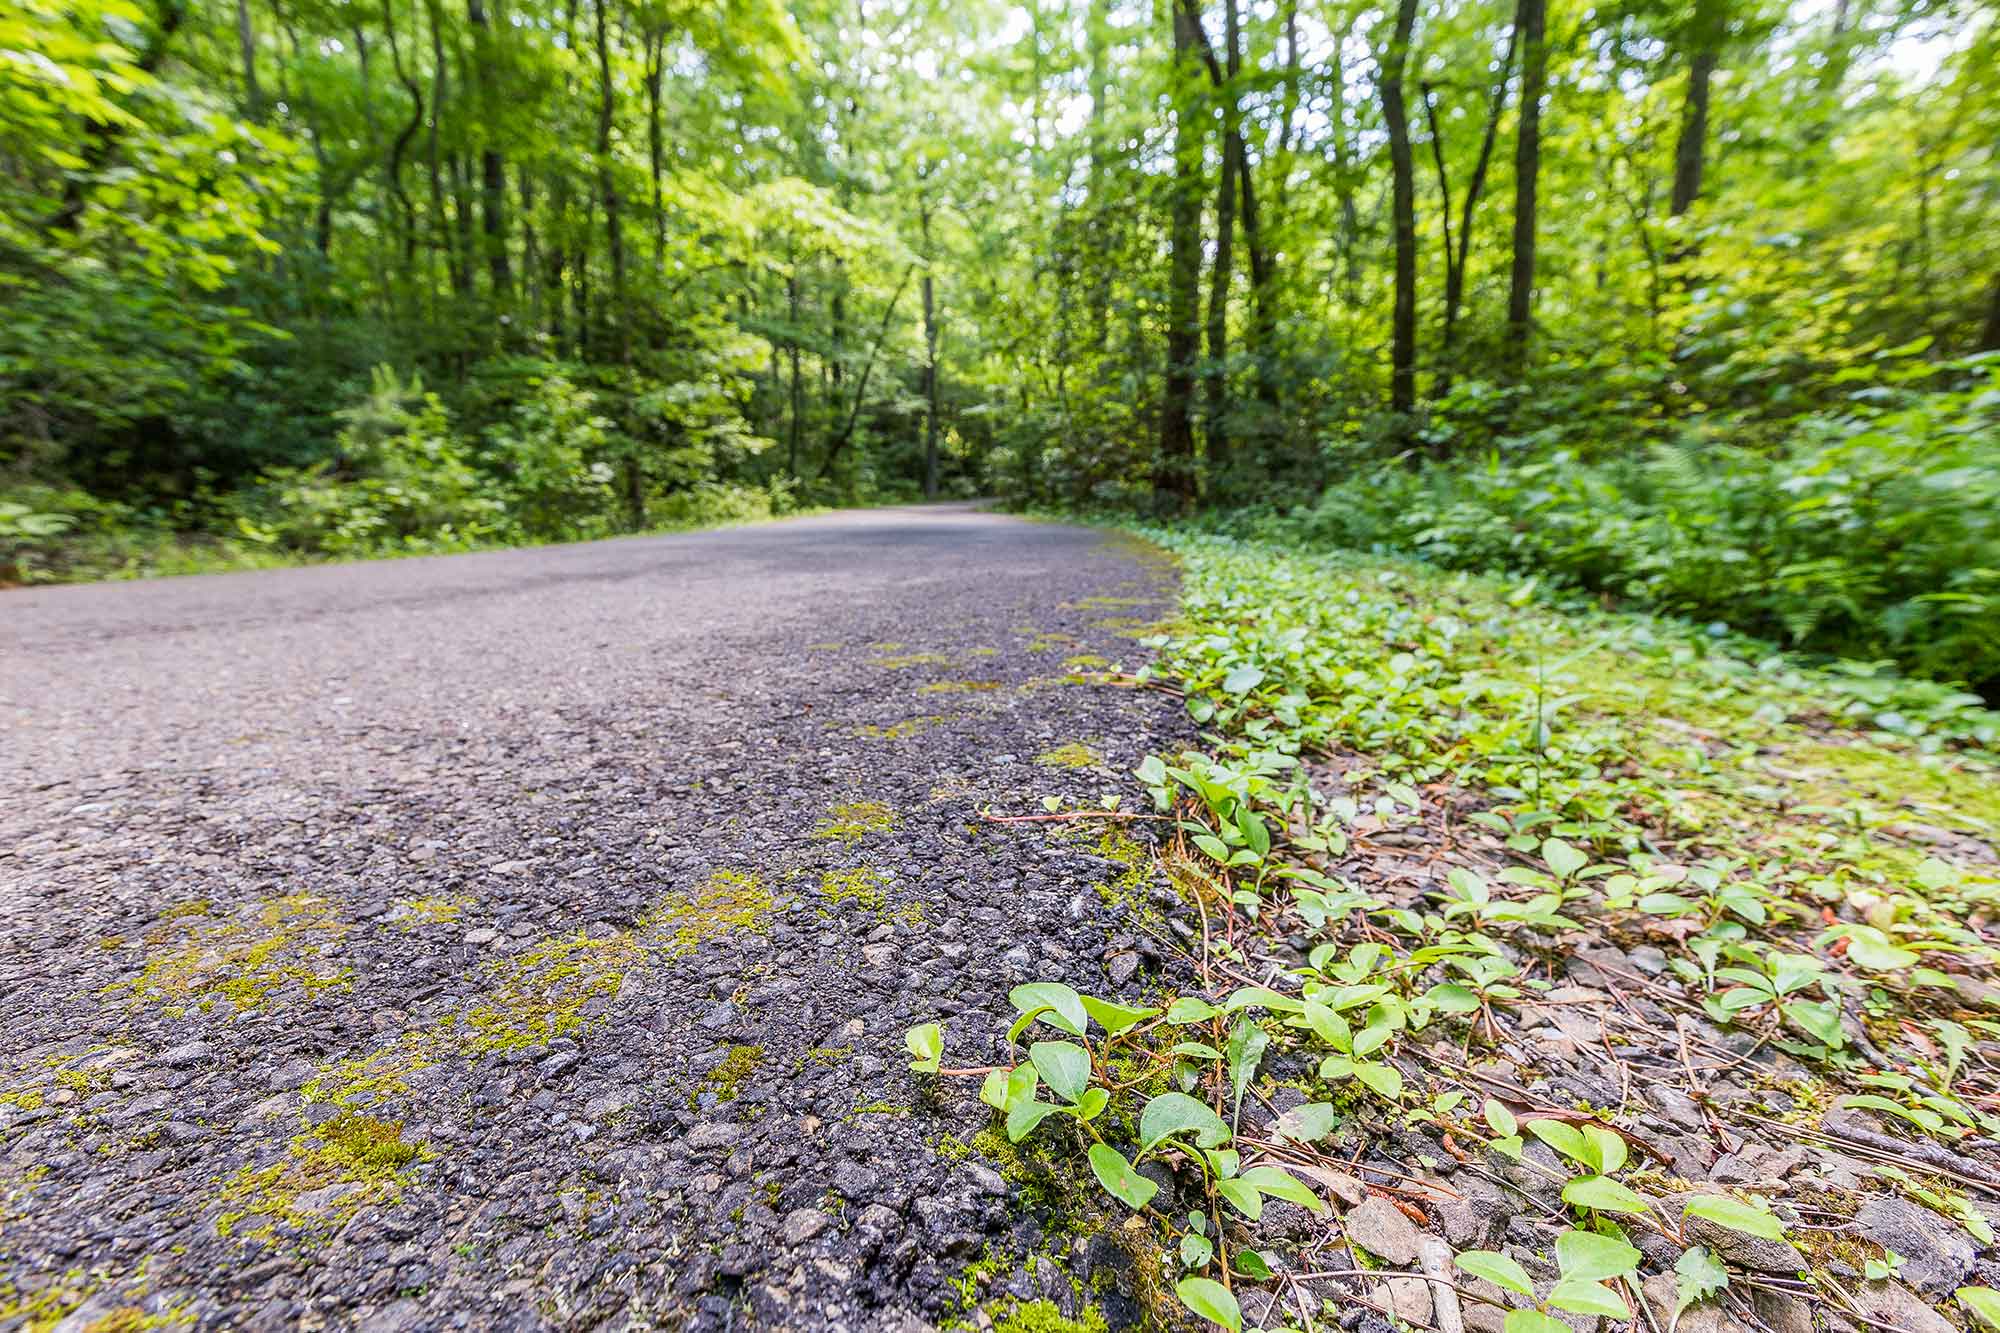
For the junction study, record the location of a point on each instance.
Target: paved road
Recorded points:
(525, 939)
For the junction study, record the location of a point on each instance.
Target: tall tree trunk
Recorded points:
(1989, 337)
(1100, 264)
(492, 171)
(462, 218)
(1403, 209)
(531, 292)
(246, 42)
(607, 182)
(1529, 18)
(1690, 149)
(1455, 261)
(930, 365)
(792, 317)
(1220, 274)
(656, 46)
(1173, 477)
(441, 235)
(393, 167)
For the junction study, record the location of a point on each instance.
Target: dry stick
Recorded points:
(1898, 1155)
(1066, 816)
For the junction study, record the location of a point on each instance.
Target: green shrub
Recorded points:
(1872, 533)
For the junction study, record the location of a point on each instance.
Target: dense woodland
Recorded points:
(1692, 304)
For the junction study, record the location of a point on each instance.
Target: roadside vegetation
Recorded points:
(1476, 872)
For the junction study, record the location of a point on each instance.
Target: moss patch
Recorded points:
(900, 661)
(330, 1173)
(898, 731)
(727, 902)
(726, 1080)
(958, 687)
(544, 993)
(1070, 755)
(239, 963)
(854, 820)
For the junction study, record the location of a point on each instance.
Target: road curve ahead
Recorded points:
(526, 939)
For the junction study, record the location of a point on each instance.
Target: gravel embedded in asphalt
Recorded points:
(526, 939)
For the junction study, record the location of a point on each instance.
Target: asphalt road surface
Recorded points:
(526, 939)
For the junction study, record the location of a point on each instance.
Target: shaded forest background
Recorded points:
(1692, 304)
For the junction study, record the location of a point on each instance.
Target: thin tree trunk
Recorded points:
(1220, 274)
(1529, 17)
(656, 43)
(846, 435)
(1173, 478)
(1455, 263)
(1100, 264)
(1691, 148)
(393, 168)
(930, 366)
(1989, 337)
(246, 42)
(531, 292)
(792, 307)
(492, 170)
(441, 236)
(1402, 168)
(607, 182)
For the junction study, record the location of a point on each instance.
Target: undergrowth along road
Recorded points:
(1556, 967)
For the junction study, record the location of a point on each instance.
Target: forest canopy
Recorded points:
(1691, 304)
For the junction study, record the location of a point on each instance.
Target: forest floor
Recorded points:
(529, 939)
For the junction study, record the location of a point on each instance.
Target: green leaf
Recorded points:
(1602, 1193)
(1751, 1220)
(1196, 1251)
(1383, 1079)
(993, 1089)
(1253, 1265)
(1242, 1196)
(1698, 1274)
(1452, 998)
(1023, 1117)
(1063, 1065)
(1119, 1179)
(1247, 1042)
(1982, 1301)
(1310, 1122)
(1173, 1114)
(1243, 680)
(1532, 1321)
(1497, 1268)
(926, 1046)
(1582, 1297)
(1564, 1138)
(1875, 950)
(1562, 858)
(1187, 1009)
(1502, 1120)
(1212, 1301)
(1053, 1003)
(1607, 1148)
(1590, 1257)
(1926, 1120)
(1114, 1018)
(1279, 1184)
(1818, 1019)
(1091, 1105)
(1263, 998)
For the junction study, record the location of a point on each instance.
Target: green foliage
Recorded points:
(1866, 531)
